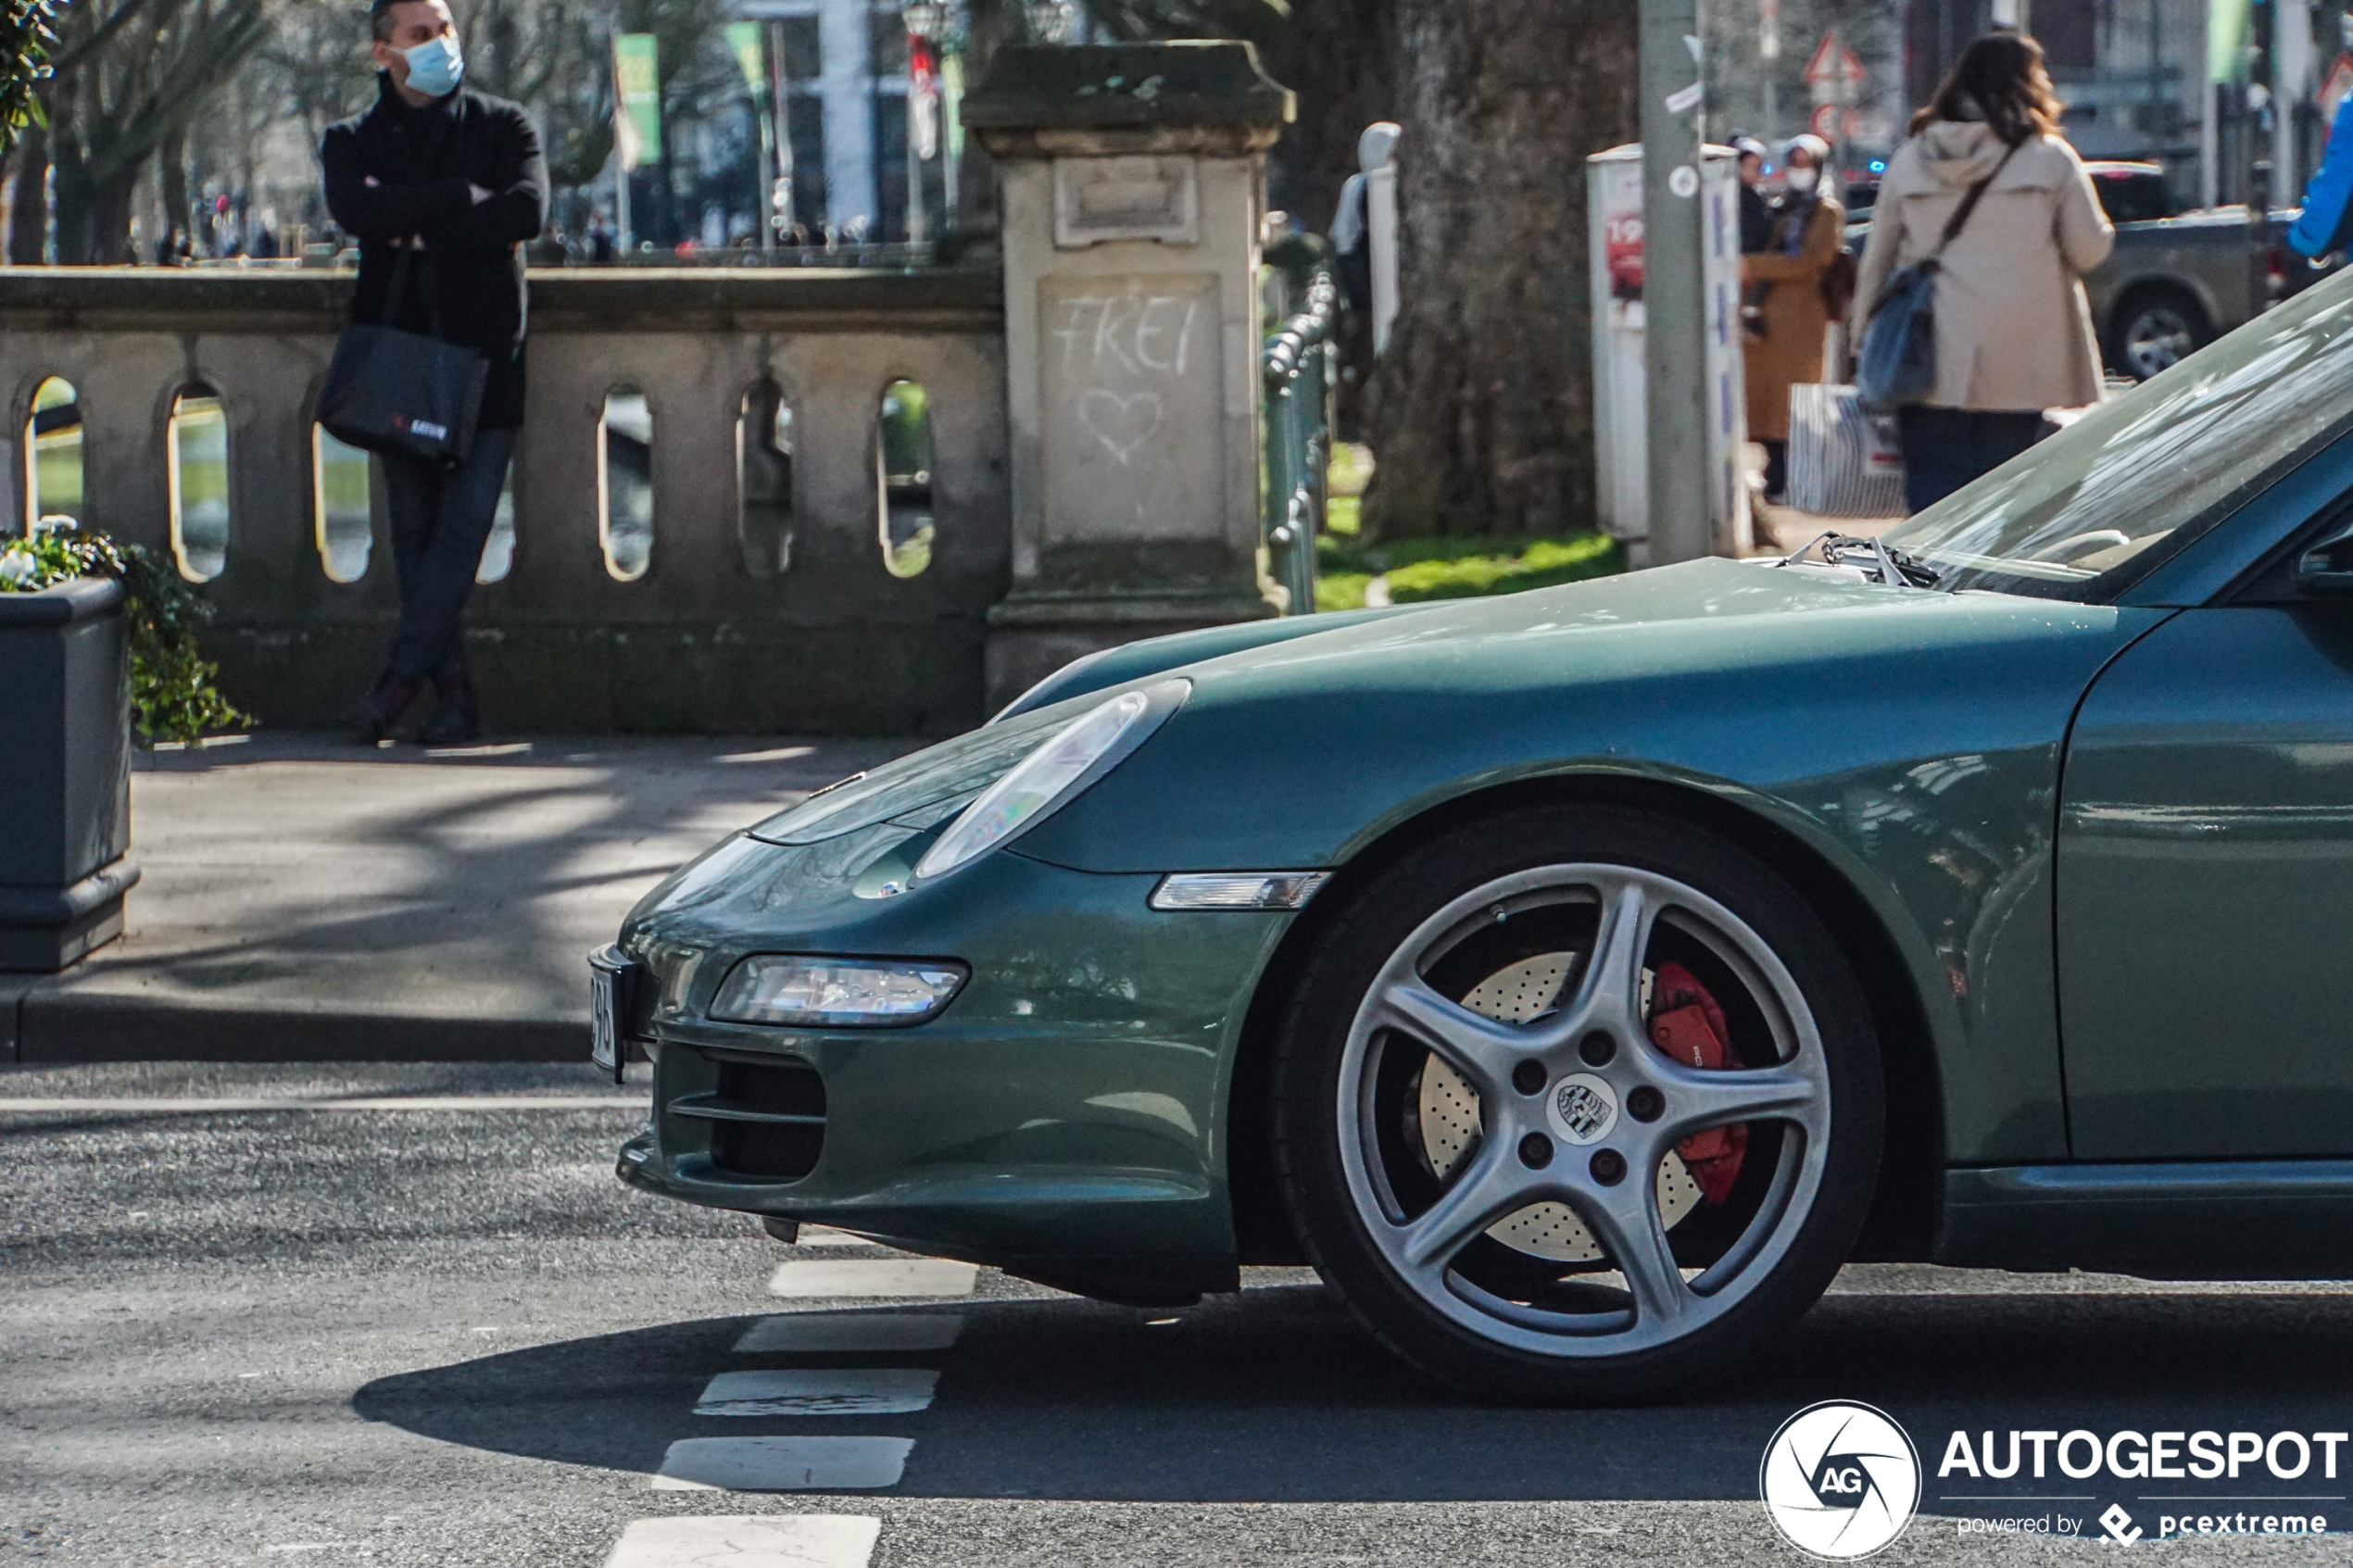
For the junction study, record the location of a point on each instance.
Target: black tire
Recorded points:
(2155, 328)
(1314, 1127)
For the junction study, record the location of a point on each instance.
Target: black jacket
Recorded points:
(466, 286)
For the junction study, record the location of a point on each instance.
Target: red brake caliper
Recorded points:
(1688, 1025)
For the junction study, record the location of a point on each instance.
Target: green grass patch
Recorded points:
(1542, 564)
(1419, 570)
(1341, 590)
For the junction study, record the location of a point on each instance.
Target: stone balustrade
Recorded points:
(680, 560)
(748, 499)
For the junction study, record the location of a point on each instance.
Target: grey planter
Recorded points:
(65, 772)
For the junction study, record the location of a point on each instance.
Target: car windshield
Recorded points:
(2092, 509)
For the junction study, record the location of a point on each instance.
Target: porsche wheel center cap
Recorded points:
(1582, 1109)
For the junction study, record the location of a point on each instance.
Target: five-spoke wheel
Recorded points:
(1574, 1106)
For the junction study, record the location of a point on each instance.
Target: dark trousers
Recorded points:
(440, 518)
(1944, 448)
(1775, 468)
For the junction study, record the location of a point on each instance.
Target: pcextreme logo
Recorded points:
(1839, 1480)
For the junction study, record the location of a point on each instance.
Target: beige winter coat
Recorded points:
(1791, 350)
(2013, 328)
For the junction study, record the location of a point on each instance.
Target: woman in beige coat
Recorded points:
(1787, 313)
(2013, 329)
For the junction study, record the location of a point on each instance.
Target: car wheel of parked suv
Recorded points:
(2157, 329)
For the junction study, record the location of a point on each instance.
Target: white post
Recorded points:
(847, 73)
(1675, 313)
(1380, 237)
(2292, 64)
(2210, 130)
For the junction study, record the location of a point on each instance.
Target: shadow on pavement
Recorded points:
(1278, 1396)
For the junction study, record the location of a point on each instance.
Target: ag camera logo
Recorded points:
(1839, 1480)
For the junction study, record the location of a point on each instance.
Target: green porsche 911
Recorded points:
(1577, 979)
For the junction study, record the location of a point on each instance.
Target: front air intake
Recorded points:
(767, 1119)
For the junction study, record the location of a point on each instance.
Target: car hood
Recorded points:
(1714, 673)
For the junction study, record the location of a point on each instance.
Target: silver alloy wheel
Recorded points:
(2157, 338)
(1581, 1112)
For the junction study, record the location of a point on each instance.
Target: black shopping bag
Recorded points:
(392, 391)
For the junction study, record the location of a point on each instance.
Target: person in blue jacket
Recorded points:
(2328, 200)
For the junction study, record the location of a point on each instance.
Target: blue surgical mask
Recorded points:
(435, 66)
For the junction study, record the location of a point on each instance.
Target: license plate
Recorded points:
(608, 1010)
(604, 1023)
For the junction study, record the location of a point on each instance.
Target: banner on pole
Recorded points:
(2227, 30)
(743, 38)
(637, 125)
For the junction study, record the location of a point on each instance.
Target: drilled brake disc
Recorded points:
(1450, 1120)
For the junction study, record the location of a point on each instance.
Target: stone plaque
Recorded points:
(1134, 432)
(1100, 199)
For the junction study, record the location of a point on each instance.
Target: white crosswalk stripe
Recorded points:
(788, 1332)
(820, 1391)
(810, 1278)
(782, 1464)
(811, 1463)
(769, 1540)
(824, 1236)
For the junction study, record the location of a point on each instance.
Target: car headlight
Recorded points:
(1079, 752)
(833, 993)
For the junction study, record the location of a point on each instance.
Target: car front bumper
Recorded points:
(1066, 1116)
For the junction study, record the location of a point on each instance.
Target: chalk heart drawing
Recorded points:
(1122, 421)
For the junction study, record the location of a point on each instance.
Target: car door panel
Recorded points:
(2204, 891)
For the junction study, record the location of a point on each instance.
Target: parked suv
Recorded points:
(2178, 280)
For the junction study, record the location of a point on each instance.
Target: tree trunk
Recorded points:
(1481, 412)
(29, 215)
(109, 220)
(71, 195)
(1339, 56)
(171, 183)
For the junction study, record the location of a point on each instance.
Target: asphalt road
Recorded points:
(439, 1333)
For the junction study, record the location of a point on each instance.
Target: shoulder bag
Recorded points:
(392, 391)
(1897, 362)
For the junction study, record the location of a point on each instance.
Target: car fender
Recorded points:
(1908, 741)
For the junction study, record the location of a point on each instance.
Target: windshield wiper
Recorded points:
(1874, 558)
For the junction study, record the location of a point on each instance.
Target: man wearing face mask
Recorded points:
(456, 179)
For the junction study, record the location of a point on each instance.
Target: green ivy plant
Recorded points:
(174, 696)
(25, 38)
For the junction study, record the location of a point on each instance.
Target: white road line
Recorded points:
(767, 1540)
(878, 1332)
(130, 1105)
(820, 1391)
(825, 1235)
(782, 1464)
(872, 1277)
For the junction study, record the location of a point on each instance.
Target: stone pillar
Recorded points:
(1131, 182)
